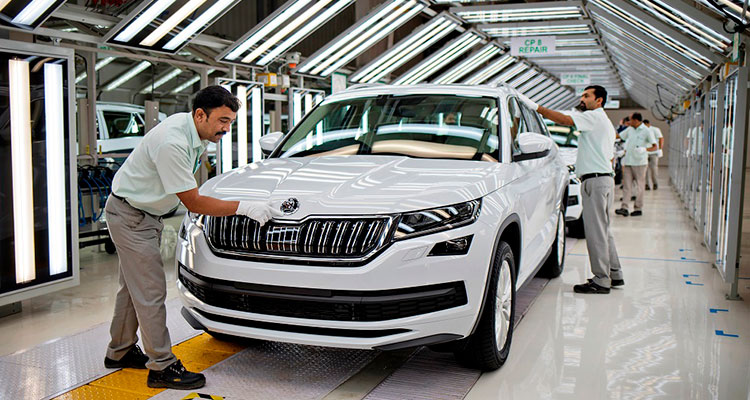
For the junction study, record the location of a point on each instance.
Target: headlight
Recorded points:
(425, 222)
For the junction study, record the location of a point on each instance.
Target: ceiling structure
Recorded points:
(651, 51)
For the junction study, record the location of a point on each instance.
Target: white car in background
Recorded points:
(413, 215)
(567, 140)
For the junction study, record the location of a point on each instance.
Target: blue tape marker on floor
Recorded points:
(721, 333)
(715, 310)
(689, 275)
(688, 259)
(686, 249)
(694, 284)
(649, 259)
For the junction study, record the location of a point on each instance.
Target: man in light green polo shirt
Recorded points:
(155, 178)
(639, 140)
(594, 168)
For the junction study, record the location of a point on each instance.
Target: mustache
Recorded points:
(581, 106)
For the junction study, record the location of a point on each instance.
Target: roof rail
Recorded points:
(365, 85)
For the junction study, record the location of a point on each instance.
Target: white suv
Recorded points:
(413, 214)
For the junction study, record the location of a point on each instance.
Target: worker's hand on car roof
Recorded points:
(260, 211)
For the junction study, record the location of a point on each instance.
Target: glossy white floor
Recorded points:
(655, 338)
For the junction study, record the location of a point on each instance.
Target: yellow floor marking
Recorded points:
(196, 354)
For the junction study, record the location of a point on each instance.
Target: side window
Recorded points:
(516, 124)
(532, 121)
(540, 119)
(123, 124)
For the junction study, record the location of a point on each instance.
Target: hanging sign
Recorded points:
(575, 79)
(532, 46)
(736, 47)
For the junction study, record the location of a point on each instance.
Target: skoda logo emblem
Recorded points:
(290, 206)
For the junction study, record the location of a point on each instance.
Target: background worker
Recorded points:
(154, 179)
(594, 168)
(639, 140)
(652, 174)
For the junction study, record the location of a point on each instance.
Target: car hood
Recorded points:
(344, 185)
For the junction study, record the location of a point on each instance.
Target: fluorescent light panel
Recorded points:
(522, 78)
(189, 83)
(55, 144)
(242, 126)
(508, 75)
(141, 22)
(171, 22)
(200, 23)
(99, 65)
(226, 145)
(470, 64)
(32, 12)
(22, 172)
(493, 68)
(439, 59)
(355, 40)
(486, 15)
(405, 50)
(670, 15)
(541, 30)
(175, 72)
(127, 76)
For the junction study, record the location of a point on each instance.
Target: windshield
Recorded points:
(420, 126)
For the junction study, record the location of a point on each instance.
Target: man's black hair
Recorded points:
(645, 121)
(212, 97)
(626, 119)
(637, 116)
(599, 92)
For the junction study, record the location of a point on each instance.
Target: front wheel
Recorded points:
(553, 266)
(488, 347)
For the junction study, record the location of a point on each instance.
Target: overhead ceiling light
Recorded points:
(509, 74)
(403, 51)
(490, 70)
(514, 29)
(440, 59)
(672, 15)
(142, 29)
(99, 65)
(283, 29)
(189, 83)
(127, 76)
(470, 64)
(531, 83)
(520, 12)
(171, 74)
(33, 11)
(519, 80)
(360, 36)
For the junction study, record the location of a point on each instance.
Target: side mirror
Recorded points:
(268, 142)
(533, 145)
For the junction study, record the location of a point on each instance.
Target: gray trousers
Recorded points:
(629, 173)
(598, 199)
(143, 285)
(653, 170)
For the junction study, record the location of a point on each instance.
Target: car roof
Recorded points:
(368, 90)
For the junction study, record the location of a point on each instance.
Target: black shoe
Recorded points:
(648, 187)
(622, 211)
(175, 376)
(656, 186)
(618, 282)
(632, 198)
(636, 213)
(590, 287)
(134, 358)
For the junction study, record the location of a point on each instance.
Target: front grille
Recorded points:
(339, 238)
(331, 305)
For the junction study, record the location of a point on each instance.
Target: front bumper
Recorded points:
(402, 295)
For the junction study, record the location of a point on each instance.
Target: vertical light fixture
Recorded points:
(226, 145)
(55, 135)
(308, 103)
(32, 11)
(296, 108)
(242, 126)
(22, 172)
(256, 119)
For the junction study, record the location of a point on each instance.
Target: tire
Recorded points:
(488, 348)
(553, 266)
(575, 228)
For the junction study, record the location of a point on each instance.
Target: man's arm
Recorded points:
(652, 140)
(661, 142)
(207, 205)
(556, 116)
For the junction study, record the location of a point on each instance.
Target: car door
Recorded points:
(529, 190)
